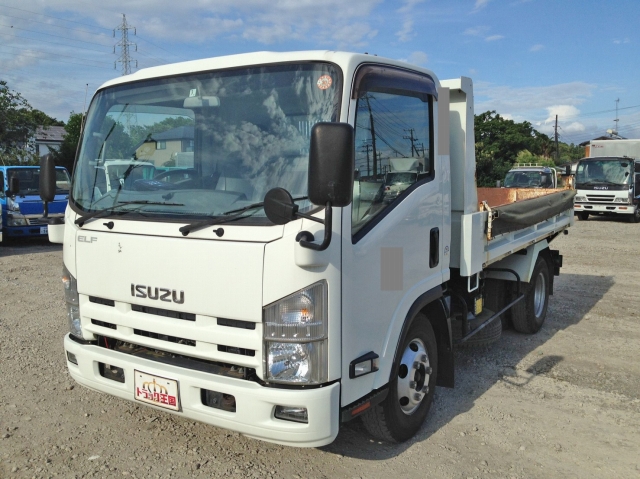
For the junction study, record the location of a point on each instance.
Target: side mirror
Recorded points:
(47, 182)
(14, 186)
(567, 171)
(331, 164)
(331, 171)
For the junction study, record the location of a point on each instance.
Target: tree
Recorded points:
(498, 143)
(66, 154)
(18, 123)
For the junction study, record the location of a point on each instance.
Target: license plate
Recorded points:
(44, 230)
(156, 390)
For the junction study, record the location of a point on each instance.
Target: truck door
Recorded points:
(392, 243)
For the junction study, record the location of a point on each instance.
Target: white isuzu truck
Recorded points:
(258, 290)
(608, 181)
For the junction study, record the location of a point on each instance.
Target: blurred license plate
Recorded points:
(44, 230)
(156, 390)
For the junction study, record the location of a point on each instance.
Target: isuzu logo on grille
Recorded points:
(162, 294)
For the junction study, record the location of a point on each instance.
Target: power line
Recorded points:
(52, 35)
(57, 18)
(27, 52)
(50, 42)
(50, 24)
(53, 60)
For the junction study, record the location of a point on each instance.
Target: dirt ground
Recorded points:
(564, 403)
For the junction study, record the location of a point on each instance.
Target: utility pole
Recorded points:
(413, 141)
(124, 44)
(366, 148)
(373, 141)
(556, 137)
(617, 119)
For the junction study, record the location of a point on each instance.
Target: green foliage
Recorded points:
(66, 154)
(18, 123)
(500, 143)
(141, 133)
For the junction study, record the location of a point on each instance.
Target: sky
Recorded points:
(530, 60)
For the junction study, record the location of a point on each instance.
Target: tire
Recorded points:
(583, 215)
(529, 314)
(402, 413)
(488, 335)
(635, 217)
(495, 298)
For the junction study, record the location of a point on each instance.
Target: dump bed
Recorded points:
(509, 220)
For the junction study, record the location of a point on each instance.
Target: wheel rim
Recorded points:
(539, 295)
(413, 376)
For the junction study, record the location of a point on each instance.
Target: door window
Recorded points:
(393, 136)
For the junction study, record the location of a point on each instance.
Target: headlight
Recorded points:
(13, 221)
(621, 200)
(295, 337)
(580, 199)
(12, 205)
(73, 302)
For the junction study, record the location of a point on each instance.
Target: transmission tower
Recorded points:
(124, 44)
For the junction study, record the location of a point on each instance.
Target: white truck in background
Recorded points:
(607, 183)
(283, 305)
(531, 176)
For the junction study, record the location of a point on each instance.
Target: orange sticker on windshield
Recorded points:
(324, 82)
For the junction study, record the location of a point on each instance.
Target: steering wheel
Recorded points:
(176, 176)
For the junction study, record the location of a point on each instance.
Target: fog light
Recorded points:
(218, 400)
(292, 413)
(111, 372)
(72, 358)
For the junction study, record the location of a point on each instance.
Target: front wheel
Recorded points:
(529, 314)
(583, 215)
(401, 414)
(635, 217)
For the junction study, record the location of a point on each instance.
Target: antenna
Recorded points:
(124, 44)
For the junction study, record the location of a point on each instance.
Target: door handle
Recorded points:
(434, 247)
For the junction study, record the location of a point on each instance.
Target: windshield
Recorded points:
(30, 180)
(604, 171)
(207, 143)
(528, 179)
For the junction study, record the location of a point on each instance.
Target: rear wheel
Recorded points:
(411, 390)
(583, 216)
(529, 314)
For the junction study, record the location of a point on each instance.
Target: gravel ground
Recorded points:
(564, 403)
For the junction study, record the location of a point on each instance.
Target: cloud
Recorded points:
(409, 5)
(536, 48)
(493, 38)
(480, 4)
(476, 31)
(418, 58)
(618, 42)
(406, 32)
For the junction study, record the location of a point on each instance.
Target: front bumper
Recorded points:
(255, 404)
(608, 208)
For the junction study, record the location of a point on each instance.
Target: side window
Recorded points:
(2, 188)
(393, 136)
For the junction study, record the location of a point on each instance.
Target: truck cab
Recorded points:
(22, 207)
(608, 186)
(531, 176)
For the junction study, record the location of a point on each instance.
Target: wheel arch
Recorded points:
(436, 307)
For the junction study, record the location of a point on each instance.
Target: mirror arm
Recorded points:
(328, 223)
(45, 209)
(309, 217)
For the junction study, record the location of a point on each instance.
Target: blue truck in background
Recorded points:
(20, 202)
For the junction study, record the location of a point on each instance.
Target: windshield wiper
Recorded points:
(111, 209)
(237, 214)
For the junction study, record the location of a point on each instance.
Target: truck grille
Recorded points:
(601, 198)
